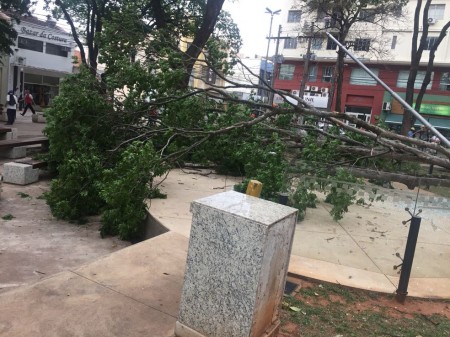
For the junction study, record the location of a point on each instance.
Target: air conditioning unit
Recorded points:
(314, 88)
(295, 92)
(307, 88)
(324, 94)
(21, 61)
(431, 21)
(386, 106)
(324, 90)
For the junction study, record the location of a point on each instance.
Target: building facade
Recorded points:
(384, 49)
(42, 57)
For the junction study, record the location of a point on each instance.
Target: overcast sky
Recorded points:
(254, 24)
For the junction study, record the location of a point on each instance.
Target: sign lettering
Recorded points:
(43, 34)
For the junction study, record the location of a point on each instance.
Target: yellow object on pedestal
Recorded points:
(254, 188)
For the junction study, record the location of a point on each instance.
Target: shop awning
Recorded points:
(393, 119)
(438, 123)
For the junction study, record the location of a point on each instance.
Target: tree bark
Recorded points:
(410, 181)
(210, 17)
(416, 55)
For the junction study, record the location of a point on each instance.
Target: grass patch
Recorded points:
(24, 195)
(321, 309)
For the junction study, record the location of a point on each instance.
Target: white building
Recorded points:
(42, 57)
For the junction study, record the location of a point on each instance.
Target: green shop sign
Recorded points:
(433, 109)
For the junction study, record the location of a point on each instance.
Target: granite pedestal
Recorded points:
(20, 174)
(38, 117)
(237, 261)
(14, 152)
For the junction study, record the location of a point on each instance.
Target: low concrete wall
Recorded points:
(153, 227)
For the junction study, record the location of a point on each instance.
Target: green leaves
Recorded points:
(125, 188)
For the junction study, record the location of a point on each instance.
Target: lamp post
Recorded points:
(272, 13)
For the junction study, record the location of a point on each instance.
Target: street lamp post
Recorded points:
(272, 13)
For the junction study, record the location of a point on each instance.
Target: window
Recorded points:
(286, 72)
(30, 44)
(430, 42)
(316, 43)
(403, 79)
(367, 15)
(50, 80)
(360, 77)
(394, 42)
(331, 45)
(55, 49)
(436, 12)
(327, 73)
(312, 72)
(290, 43)
(41, 79)
(294, 16)
(362, 45)
(445, 81)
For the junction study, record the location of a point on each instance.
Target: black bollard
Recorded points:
(408, 258)
(283, 198)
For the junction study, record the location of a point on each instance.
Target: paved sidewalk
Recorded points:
(358, 251)
(133, 292)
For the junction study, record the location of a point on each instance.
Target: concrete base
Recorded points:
(20, 174)
(38, 117)
(9, 135)
(14, 153)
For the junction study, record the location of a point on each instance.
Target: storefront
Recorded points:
(42, 58)
(437, 115)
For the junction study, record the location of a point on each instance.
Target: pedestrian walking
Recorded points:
(28, 103)
(11, 106)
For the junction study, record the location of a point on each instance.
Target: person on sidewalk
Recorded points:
(11, 106)
(28, 103)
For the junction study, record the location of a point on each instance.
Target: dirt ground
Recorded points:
(34, 245)
(321, 309)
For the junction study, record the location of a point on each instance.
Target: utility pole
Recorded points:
(272, 13)
(275, 65)
(305, 75)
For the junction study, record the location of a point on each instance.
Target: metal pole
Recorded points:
(267, 53)
(275, 66)
(402, 290)
(305, 75)
(396, 96)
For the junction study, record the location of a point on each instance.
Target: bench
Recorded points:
(34, 163)
(4, 130)
(22, 172)
(8, 133)
(15, 148)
